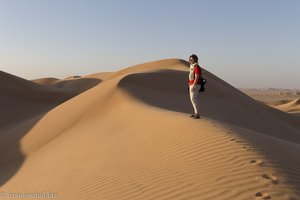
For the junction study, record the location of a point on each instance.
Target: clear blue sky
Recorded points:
(248, 43)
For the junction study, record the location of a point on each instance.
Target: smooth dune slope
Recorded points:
(130, 137)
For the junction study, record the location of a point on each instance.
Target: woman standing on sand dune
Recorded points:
(194, 84)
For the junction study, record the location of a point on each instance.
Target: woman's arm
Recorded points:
(195, 81)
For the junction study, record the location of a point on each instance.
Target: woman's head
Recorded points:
(193, 59)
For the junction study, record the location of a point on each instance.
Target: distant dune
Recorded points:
(45, 81)
(292, 106)
(127, 135)
(286, 100)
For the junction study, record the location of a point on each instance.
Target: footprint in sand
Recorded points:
(262, 195)
(268, 179)
(271, 178)
(249, 148)
(257, 162)
(237, 141)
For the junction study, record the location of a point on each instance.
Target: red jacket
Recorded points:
(197, 70)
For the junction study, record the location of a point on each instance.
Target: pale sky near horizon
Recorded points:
(248, 43)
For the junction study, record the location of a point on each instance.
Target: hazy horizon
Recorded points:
(249, 44)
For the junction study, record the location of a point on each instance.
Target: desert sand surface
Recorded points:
(127, 135)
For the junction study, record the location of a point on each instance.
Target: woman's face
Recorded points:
(191, 60)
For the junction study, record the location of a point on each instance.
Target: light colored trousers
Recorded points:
(194, 96)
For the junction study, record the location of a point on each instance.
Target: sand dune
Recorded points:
(45, 81)
(76, 84)
(291, 106)
(130, 137)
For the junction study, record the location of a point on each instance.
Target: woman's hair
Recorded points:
(195, 57)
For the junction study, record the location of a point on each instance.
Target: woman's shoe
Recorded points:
(196, 116)
(193, 115)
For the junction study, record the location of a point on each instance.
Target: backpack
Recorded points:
(202, 84)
